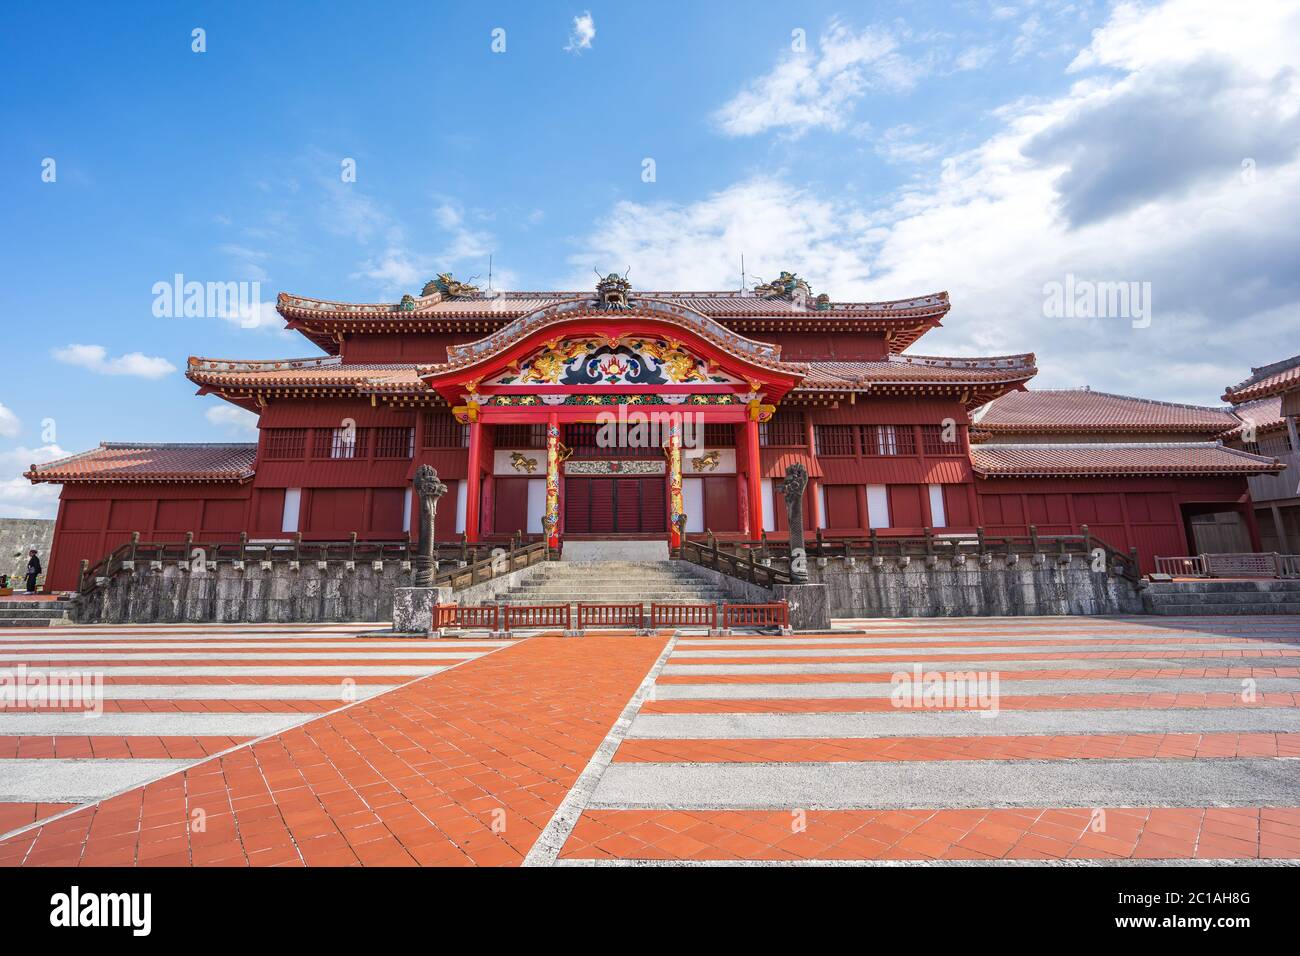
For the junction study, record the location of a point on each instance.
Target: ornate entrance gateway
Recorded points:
(622, 388)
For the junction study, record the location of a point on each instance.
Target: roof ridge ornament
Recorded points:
(791, 286)
(612, 290)
(449, 287)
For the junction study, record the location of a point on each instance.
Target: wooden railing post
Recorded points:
(1087, 539)
(85, 571)
(1033, 538)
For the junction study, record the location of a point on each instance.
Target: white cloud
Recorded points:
(819, 87)
(998, 221)
(19, 498)
(10, 425)
(96, 359)
(584, 31)
(972, 58)
(232, 419)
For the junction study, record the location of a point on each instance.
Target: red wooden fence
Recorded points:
(776, 614)
(610, 615)
(684, 615)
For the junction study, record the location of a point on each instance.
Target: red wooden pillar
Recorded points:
(472, 481)
(1252, 526)
(752, 479)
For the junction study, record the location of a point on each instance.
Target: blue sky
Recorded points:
(985, 148)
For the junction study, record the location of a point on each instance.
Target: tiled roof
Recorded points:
(514, 304)
(324, 372)
(137, 461)
(1083, 411)
(907, 369)
(1078, 460)
(1264, 413)
(903, 320)
(1283, 376)
(331, 372)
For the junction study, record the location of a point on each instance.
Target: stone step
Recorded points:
(1214, 587)
(11, 613)
(1192, 610)
(8, 605)
(29, 622)
(1228, 597)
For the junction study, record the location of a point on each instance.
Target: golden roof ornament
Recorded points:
(612, 290)
(448, 286)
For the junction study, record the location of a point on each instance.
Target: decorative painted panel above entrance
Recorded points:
(628, 360)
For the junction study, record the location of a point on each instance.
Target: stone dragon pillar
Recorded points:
(796, 480)
(428, 489)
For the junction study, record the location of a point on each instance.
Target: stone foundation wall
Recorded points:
(937, 587)
(257, 593)
(17, 537)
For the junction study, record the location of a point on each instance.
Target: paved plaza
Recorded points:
(1031, 739)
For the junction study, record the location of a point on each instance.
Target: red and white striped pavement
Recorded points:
(87, 712)
(1115, 739)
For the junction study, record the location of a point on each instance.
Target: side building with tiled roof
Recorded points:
(1266, 405)
(1158, 474)
(527, 404)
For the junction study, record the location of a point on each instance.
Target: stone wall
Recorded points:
(257, 593)
(937, 587)
(17, 537)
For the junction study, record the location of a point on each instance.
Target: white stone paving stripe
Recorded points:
(952, 783)
(895, 640)
(164, 724)
(990, 664)
(333, 691)
(1008, 686)
(912, 650)
(933, 723)
(250, 670)
(58, 780)
(113, 657)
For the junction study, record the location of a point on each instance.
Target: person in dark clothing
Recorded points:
(33, 570)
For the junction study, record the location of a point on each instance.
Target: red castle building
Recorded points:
(624, 414)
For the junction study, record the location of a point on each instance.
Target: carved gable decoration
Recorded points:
(631, 360)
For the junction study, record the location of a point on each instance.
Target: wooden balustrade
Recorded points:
(610, 615)
(684, 615)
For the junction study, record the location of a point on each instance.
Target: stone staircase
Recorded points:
(613, 582)
(1222, 597)
(18, 613)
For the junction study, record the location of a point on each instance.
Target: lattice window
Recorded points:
(394, 442)
(1279, 444)
(719, 436)
(784, 428)
(599, 440)
(339, 443)
(888, 440)
(441, 430)
(834, 439)
(284, 444)
(521, 436)
(940, 440)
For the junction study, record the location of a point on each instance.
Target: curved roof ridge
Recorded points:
(1088, 390)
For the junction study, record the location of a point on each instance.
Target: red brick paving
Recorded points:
(419, 775)
(15, 815)
(1147, 833)
(65, 747)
